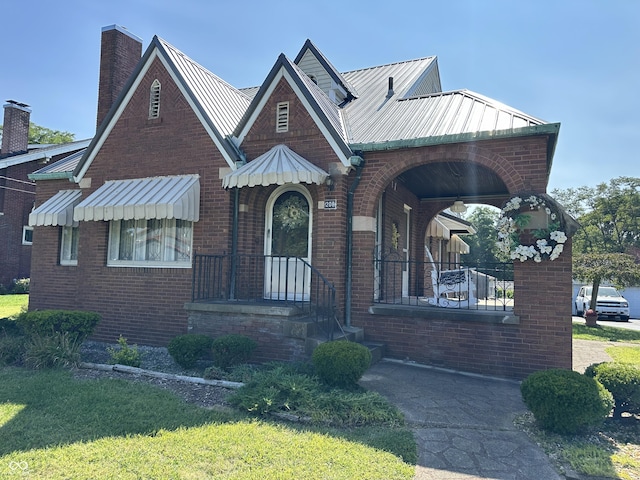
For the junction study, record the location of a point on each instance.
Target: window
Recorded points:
(69, 246)
(27, 235)
(282, 117)
(150, 243)
(154, 100)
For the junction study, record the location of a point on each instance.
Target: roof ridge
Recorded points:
(389, 64)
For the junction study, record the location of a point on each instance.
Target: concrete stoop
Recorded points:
(307, 330)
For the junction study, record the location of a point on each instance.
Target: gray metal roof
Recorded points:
(377, 118)
(63, 166)
(47, 152)
(224, 104)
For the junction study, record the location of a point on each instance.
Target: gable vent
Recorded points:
(282, 117)
(154, 100)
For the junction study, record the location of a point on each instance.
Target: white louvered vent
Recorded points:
(154, 100)
(282, 117)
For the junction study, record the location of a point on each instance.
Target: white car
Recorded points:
(610, 303)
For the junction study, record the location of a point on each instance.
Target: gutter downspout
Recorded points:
(358, 162)
(234, 243)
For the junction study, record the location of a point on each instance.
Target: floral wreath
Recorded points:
(513, 219)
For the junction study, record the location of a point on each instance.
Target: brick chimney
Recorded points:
(15, 129)
(119, 55)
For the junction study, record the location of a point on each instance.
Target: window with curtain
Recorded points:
(69, 246)
(150, 242)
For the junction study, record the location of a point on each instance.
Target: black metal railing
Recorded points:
(266, 279)
(487, 286)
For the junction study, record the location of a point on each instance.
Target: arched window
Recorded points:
(154, 100)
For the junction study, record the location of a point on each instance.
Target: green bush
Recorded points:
(57, 349)
(230, 350)
(79, 325)
(564, 401)
(623, 381)
(12, 349)
(10, 327)
(21, 286)
(125, 355)
(187, 349)
(341, 363)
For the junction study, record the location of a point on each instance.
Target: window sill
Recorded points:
(452, 314)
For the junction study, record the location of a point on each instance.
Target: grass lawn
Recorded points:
(53, 427)
(11, 305)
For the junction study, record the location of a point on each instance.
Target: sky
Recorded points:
(575, 62)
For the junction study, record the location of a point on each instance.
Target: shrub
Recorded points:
(564, 401)
(341, 363)
(275, 390)
(77, 324)
(230, 350)
(12, 349)
(58, 349)
(10, 327)
(623, 381)
(125, 355)
(187, 349)
(21, 286)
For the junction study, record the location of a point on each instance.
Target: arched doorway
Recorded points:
(288, 244)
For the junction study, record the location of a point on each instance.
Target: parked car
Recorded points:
(610, 303)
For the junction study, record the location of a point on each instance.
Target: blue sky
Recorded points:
(576, 62)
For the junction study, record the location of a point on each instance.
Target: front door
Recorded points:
(288, 245)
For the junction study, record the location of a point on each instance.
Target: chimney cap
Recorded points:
(15, 104)
(121, 29)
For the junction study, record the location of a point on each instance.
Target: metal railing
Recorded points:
(266, 279)
(486, 286)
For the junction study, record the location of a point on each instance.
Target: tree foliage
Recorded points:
(608, 214)
(618, 268)
(42, 135)
(482, 245)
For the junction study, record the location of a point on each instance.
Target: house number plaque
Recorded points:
(330, 204)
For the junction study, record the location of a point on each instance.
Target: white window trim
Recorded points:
(113, 250)
(64, 245)
(26, 229)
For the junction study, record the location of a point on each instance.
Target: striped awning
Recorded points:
(57, 211)
(457, 245)
(437, 229)
(143, 198)
(278, 166)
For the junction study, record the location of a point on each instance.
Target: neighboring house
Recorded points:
(17, 193)
(271, 211)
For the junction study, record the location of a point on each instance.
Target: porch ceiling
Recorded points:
(471, 182)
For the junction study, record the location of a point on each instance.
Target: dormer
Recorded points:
(313, 63)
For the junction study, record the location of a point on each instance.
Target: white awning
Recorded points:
(278, 166)
(58, 210)
(143, 198)
(457, 245)
(437, 229)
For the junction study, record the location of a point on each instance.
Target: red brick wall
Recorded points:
(15, 258)
(143, 304)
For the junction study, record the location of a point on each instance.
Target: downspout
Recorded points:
(234, 243)
(358, 162)
(235, 222)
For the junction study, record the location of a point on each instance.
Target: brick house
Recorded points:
(280, 212)
(18, 159)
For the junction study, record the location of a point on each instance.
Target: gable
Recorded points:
(326, 116)
(217, 105)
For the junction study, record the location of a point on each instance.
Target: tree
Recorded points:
(618, 268)
(43, 135)
(482, 245)
(608, 215)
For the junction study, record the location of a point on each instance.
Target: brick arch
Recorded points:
(380, 173)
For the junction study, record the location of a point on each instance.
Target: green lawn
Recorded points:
(606, 334)
(11, 305)
(55, 427)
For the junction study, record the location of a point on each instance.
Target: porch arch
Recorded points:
(379, 174)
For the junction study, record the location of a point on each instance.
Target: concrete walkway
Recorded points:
(463, 424)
